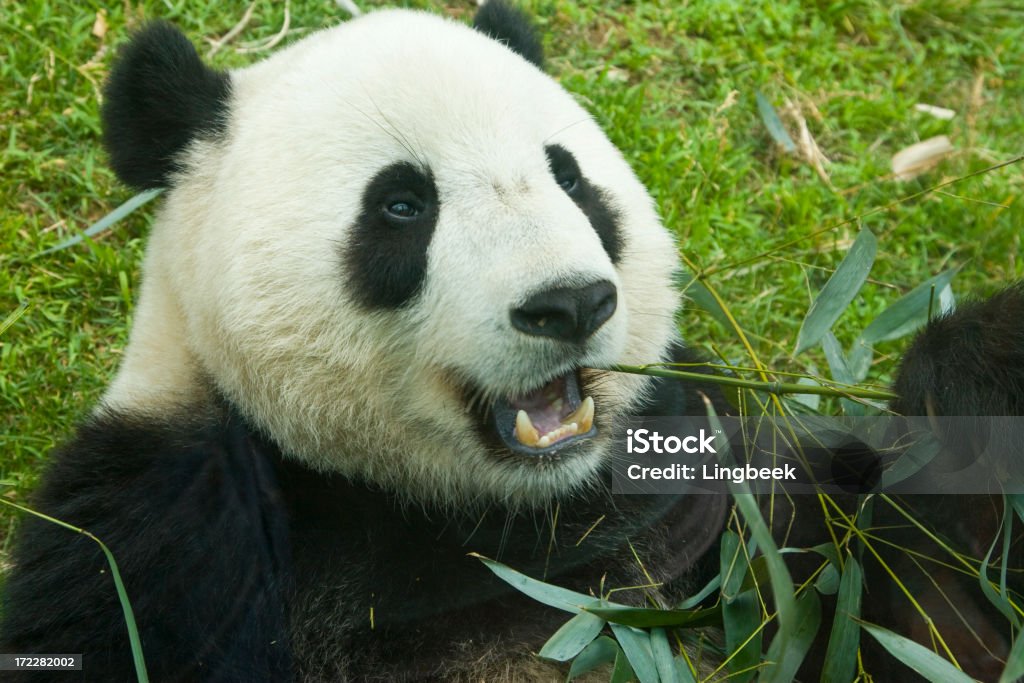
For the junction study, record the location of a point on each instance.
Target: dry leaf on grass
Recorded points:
(937, 112)
(99, 26)
(912, 161)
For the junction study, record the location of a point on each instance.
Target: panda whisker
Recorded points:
(476, 527)
(551, 517)
(506, 531)
(565, 128)
(393, 131)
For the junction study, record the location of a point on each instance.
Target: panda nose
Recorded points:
(568, 314)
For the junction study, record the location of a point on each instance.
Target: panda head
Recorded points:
(398, 248)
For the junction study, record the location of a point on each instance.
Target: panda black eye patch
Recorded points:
(591, 200)
(385, 257)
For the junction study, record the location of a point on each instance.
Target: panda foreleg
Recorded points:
(191, 512)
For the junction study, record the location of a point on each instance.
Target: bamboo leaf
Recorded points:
(741, 611)
(837, 364)
(828, 551)
(840, 368)
(552, 596)
(643, 617)
(843, 643)
(839, 291)
(773, 123)
(1017, 503)
(785, 654)
(858, 360)
(602, 650)
(704, 592)
(999, 599)
(637, 647)
(782, 582)
(828, 580)
(1014, 670)
(683, 671)
(910, 311)
(622, 672)
(695, 290)
(919, 658)
(572, 637)
(920, 453)
(663, 659)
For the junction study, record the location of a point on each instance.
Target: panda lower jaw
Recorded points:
(546, 421)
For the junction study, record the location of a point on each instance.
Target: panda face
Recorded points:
(406, 258)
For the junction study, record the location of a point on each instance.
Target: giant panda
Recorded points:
(390, 264)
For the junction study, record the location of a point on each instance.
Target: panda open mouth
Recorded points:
(546, 420)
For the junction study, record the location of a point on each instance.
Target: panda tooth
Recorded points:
(525, 432)
(544, 441)
(582, 416)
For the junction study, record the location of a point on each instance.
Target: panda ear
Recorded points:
(512, 27)
(159, 98)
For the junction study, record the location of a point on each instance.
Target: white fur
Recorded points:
(243, 278)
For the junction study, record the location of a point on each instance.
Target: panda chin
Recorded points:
(546, 421)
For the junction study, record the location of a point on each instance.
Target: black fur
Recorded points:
(385, 258)
(592, 200)
(216, 536)
(510, 26)
(191, 512)
(359, 549)
(159, 98)
(967, 363)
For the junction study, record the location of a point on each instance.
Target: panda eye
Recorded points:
(565, 170)
(568, 182)
(402, 209)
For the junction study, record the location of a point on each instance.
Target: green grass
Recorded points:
(674, 85)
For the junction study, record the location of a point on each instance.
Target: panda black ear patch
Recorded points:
(159, 97)
(512, 27)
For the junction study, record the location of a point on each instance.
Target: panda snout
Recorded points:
(569, 314)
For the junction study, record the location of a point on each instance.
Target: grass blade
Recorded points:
(138, 658)
(113, 217)
(13, 317)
